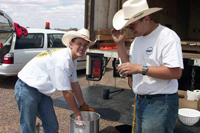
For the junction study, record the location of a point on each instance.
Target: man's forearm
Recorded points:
(122, 52)
(118, 37)
(77, 91)
(69, 98)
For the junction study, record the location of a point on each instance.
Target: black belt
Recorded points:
(156, 95)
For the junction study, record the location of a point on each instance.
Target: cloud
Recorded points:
(61, 14)
(35, 2)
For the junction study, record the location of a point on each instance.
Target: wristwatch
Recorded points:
(145, 68)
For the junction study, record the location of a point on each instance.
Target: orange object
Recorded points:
(96, 72)
(105, 48)
(85, 107)
(114, 47)
(47, 26)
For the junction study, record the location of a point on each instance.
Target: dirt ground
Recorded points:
(9, 115)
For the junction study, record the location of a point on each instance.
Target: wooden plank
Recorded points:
(184, 43)
(129, 40)
(103, 32)
(191, 55)
(189, 43)
(191, 48)
(103, 37)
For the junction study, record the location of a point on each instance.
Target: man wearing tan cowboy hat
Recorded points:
(155, 63)
(47, 73)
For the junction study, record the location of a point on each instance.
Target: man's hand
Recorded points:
(79, 117)
(118, 36)
(85, 107)
(129, 68)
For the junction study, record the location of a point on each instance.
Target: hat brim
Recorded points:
(119, 22)
(67, 37)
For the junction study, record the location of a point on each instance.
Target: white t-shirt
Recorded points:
(162, 47)
(50, 71)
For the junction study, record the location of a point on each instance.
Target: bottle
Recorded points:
(37, 127)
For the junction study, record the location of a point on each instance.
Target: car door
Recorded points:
(28, 47)
(6, 34)
(6, 31)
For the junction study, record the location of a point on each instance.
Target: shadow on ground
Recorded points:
(8, 83)
(117, 108)
(113, 109)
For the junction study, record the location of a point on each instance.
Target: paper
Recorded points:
(197, 92)
(193, 95)
(120, 62)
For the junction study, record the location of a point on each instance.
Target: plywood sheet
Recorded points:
(103, 32)
(191, 55)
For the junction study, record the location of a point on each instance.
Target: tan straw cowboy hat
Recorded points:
(131, 11)
(82, 33)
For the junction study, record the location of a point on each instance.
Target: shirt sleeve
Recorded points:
(172, 55)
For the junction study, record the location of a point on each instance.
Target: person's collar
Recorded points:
(152, 28)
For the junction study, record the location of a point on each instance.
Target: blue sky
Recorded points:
(63, 14)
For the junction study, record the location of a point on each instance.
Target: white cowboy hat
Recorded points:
(131, 11)
(82, 33)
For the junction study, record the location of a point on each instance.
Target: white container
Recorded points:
(188, 116)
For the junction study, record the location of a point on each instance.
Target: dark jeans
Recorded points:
(156, 114)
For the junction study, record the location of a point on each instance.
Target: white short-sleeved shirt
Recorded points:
(162, 47)
(50, 71)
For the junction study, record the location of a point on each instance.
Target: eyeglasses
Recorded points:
(81, 44)
(131, 26)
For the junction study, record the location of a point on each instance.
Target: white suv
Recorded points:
(16, 52)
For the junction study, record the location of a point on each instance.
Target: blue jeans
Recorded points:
(32, 103)
(156, 114)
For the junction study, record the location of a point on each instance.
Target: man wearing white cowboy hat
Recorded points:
(155, 63)
(47, 73)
